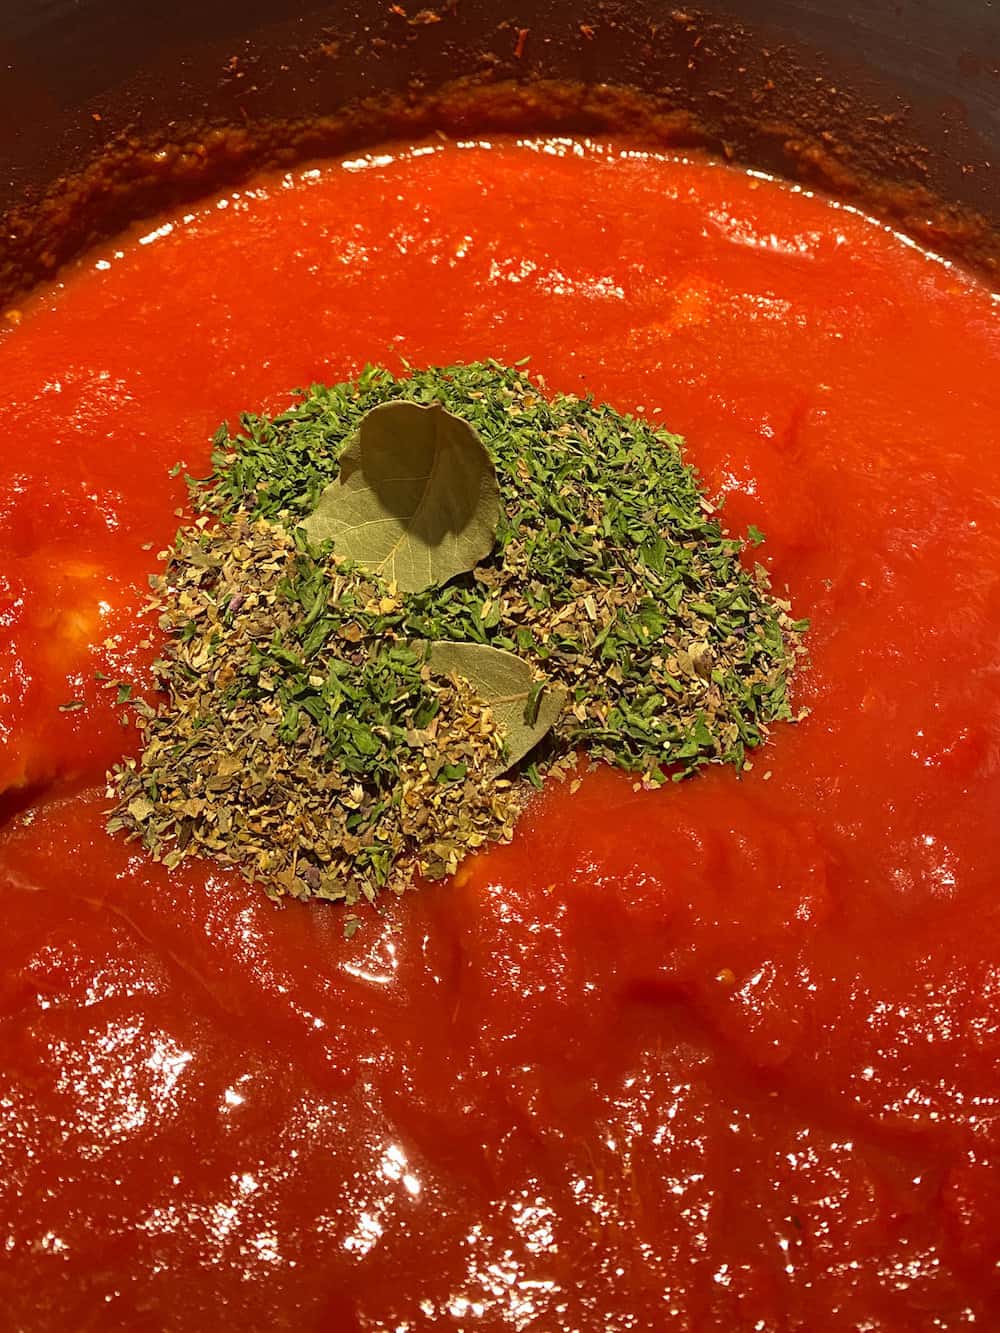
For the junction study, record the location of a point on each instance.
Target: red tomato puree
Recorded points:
(724, 1056)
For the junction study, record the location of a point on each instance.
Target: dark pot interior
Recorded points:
(109, 111)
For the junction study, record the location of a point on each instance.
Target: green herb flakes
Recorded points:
(367, 670)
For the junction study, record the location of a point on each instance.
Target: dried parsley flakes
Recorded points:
(322, 729)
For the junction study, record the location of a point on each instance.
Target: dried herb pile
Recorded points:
(387, 620)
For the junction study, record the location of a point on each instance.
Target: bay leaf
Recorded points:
(417, 499)
(509, 685)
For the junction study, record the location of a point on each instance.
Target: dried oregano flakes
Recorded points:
(398, 589)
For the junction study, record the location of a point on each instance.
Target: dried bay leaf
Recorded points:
(417, 499)
(509, 685)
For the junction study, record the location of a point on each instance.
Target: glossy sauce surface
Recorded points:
(719, 1057)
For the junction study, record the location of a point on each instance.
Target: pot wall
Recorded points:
(896, 102)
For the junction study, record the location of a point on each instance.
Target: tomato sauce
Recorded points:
(718, 1057)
